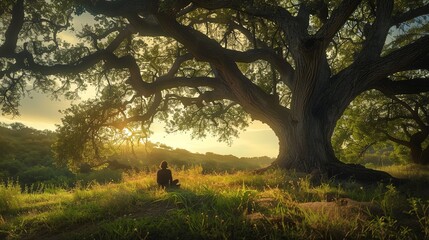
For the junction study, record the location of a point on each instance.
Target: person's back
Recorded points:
(164, 178)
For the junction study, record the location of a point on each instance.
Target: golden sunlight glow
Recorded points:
(41, 112)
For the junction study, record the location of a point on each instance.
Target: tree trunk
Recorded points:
(418, 155)
(425, 156)
(305, 146)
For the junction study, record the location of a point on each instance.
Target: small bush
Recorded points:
(420, 209)
(9, 193)
(101, 176)
(391, 201)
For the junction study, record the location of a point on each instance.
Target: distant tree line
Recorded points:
(25, 155)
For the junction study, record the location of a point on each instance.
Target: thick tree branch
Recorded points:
(338, 17)
(411, 14)
(194, 82)
(261, 52)
(189, 8)
(294, 29)
(135, 79)
(96, 37)
(396, 140)
(285, 69)
(164, 82)
(15, 26)
(376, 35)
(204, 97)
(320, 9)
(413, 86)
(422, 63)
(25, 60)
(414, 112)
(120, 8)
(169, 81)
(250, 96)
(145, 27)
(260, 9)
(249, 35)
(405, 129)
(176, 65)
(399, 60)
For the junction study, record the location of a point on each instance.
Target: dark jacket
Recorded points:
(164, 177)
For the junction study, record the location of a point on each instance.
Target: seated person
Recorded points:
(164, 177)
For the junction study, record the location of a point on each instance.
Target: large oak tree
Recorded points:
(213, 65)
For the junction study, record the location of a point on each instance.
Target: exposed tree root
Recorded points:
(359, 173)
(343, 171)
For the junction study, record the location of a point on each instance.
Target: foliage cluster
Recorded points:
(393, 129)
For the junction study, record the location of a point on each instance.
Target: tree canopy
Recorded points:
(378, 123)
(213, 66)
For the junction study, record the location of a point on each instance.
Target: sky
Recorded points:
(40, 112)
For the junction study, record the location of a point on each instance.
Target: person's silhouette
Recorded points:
(164, 178)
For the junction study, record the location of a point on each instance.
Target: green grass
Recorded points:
(273, 205)
(409, 171)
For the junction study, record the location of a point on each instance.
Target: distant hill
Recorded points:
(144, 157)
(25, 155)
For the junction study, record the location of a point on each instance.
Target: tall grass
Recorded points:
(9, 193)
(273, 205)
(420, 209)
(409, 171)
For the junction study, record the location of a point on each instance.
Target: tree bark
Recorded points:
(425, 156)
(419, 155)
(306, 147)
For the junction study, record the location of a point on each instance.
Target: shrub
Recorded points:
(420, 209)
(101, 176)
(9, 196)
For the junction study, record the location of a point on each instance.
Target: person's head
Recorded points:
(163, 165)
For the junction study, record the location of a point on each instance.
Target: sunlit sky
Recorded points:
(40, 112)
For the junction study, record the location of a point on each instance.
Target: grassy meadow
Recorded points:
(241, 205)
